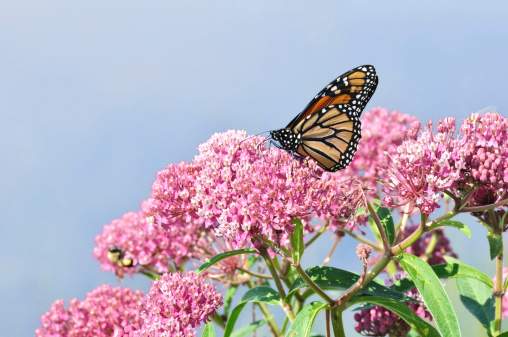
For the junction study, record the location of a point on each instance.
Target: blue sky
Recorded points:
(97, 96)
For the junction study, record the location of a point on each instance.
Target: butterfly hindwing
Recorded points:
(330, 136)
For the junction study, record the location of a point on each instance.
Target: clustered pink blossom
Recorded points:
(482, 151)
(422, 167)
(176, 304)
(382, 131)
(102, 312)
(172, 193)
(248, 190)
(379, 321)
(148, 244)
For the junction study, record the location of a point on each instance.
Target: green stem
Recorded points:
(337, 324)
(269, 263)
(483, 208)
(253, 273)
(318, 234)
(373, 244)
(380, 228)
(498, 294)
(313, 285)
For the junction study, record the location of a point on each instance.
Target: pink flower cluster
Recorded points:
(248, 190)
(382, 131)
(422, 167)
(147, 244)
(482, 151)
(176, 304)
(103, 311)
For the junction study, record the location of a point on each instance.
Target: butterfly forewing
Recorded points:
(353, 88)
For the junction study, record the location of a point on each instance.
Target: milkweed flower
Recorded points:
(481, 152)
(244, 190)
(176, 304)
(382, 131)
(173, 192)
(147, 244)
(422, 167)
(102, 312)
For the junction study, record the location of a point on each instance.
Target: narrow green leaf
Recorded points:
(229, 297)
(479, 301)
(223, 256)
(302, 324)
(208, 331)
(450, 223)
(417, 323)
(334, 278)
(249, 328)
(263, 294)
(386, 222)
(504, 334)
(449, 270)
(495, 244)
(432, 292)
(297, 240)
(230, 324)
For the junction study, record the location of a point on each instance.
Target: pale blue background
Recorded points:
(97, 96)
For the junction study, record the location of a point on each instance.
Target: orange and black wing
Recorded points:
(330, 136)
(353, 88)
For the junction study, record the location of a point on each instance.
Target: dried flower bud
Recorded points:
(363, 251)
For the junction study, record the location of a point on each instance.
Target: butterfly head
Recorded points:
(287, 139)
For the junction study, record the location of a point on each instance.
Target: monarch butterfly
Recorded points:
(329, 129)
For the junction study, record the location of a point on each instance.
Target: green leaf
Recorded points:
(223, 256)
(504, 334)
(249, 328)
(449, 270)
(479, 301)
(302, 324)
(229, 297)
(495, 244)
(432, 292)
(417, 323)
(208, 331)
(386, 222)
(297, 240)
(263, 294)
(334, 278)
(450, 223)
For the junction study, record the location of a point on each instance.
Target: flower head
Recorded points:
(176, 304)
(422, 168)
(244, 190)
(481, 151)
(146, 244)
(103, 311)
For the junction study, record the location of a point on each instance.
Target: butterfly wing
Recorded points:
(353, 88)
(330, 136)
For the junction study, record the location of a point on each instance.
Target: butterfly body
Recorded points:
(329, 129)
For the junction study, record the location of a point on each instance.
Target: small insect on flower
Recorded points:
(328, 129)
(116, 255)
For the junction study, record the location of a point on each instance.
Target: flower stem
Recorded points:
(374, 245)
(313, 285)
(329, 256)
(483, 207)
(269, 263)
(498, 294)
(380, 228)
(318, 234)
